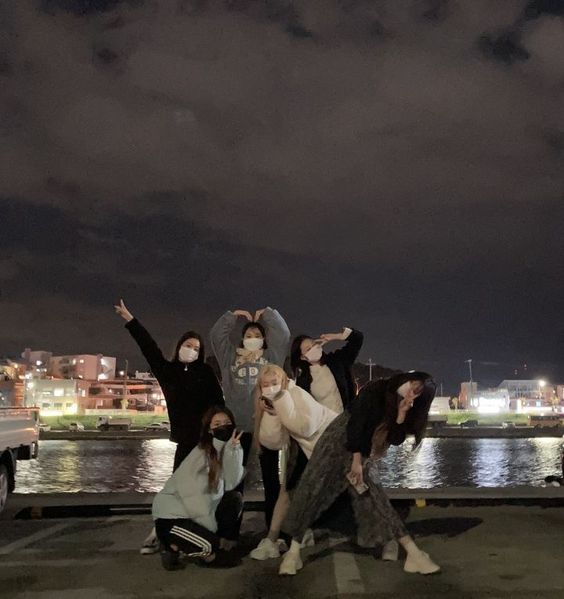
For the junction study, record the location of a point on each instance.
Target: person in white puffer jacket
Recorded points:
(284, 411)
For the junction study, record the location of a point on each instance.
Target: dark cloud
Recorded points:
(394, 165)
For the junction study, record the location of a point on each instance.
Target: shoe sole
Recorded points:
(287, 573)
(263, 558)
(414, 571)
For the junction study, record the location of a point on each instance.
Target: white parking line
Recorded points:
(347, 574)
(42, 534)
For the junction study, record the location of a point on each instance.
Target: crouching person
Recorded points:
(198, 510)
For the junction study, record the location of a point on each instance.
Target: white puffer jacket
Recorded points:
(297, 415)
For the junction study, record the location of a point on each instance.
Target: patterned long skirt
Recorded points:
(324, 480)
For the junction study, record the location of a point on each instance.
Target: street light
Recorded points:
(370, 364)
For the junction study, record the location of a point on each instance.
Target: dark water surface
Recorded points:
(144, 465)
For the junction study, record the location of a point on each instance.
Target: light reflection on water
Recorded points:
(144, 465)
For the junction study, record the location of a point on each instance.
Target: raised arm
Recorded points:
(277, 334)
(349, 352)
(300, 416)
(221, 344)
(146, 343)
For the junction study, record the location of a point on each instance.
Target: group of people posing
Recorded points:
(319, 441)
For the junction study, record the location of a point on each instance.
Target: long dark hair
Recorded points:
(416, 419)
(298, 365)
(206, 443)
(190, 335)
(259, 327)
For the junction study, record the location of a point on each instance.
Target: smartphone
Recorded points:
(360, 488)
(268, 403)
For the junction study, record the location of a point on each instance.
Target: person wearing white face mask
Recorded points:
(284, 410)
(242, 344)
(327, 376)
(189, 385)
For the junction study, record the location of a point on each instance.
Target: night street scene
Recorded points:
(281, 299)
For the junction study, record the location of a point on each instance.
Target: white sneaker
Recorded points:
(266, 549)
(419, 562)
(309, 539)
(390, 551)
(291, 563)
(150, 545)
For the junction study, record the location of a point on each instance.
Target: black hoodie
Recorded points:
(368, 411)
(189, 389)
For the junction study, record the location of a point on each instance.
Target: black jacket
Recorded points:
(189, 389)
(340, 363)
(369, 409)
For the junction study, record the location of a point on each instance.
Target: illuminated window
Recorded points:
(59, 392)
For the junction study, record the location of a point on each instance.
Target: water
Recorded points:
(144, 465)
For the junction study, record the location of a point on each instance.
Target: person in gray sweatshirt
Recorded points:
(198, 510)
(243, 344)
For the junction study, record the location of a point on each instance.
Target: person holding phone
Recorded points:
(243, 343)
(346, 457)
(285, 411)
(189, 385)
(198, 510)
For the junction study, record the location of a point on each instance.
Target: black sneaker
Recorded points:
(171, 560)
(223, 559)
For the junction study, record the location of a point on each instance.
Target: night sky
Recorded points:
(396, 166)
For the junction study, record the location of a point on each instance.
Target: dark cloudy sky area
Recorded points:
(394, 165)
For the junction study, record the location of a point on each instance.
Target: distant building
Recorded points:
(56, 397)
(467, 394)
(528, 393)
(491, 401)
(12, 375)
(120, 394)
(89, 367)
(36, 362)
(83, 366)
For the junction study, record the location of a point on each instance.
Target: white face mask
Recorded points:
(271, 392)
(314, 354)
(253, 343)
(187, 354)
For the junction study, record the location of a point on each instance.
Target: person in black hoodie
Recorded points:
(346, 458)
(189, 385)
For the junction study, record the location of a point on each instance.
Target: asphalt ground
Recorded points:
(495, 552)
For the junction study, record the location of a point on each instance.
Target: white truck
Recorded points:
(112, 423)
(19, 436)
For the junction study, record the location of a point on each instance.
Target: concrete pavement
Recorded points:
(495, 552)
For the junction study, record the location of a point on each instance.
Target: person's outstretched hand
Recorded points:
(123, 311)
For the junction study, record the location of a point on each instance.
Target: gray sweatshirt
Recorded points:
(238, 381)
(186, 493)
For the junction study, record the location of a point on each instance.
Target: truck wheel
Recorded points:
(4, 486)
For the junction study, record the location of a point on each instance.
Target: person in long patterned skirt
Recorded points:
(345, 458)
